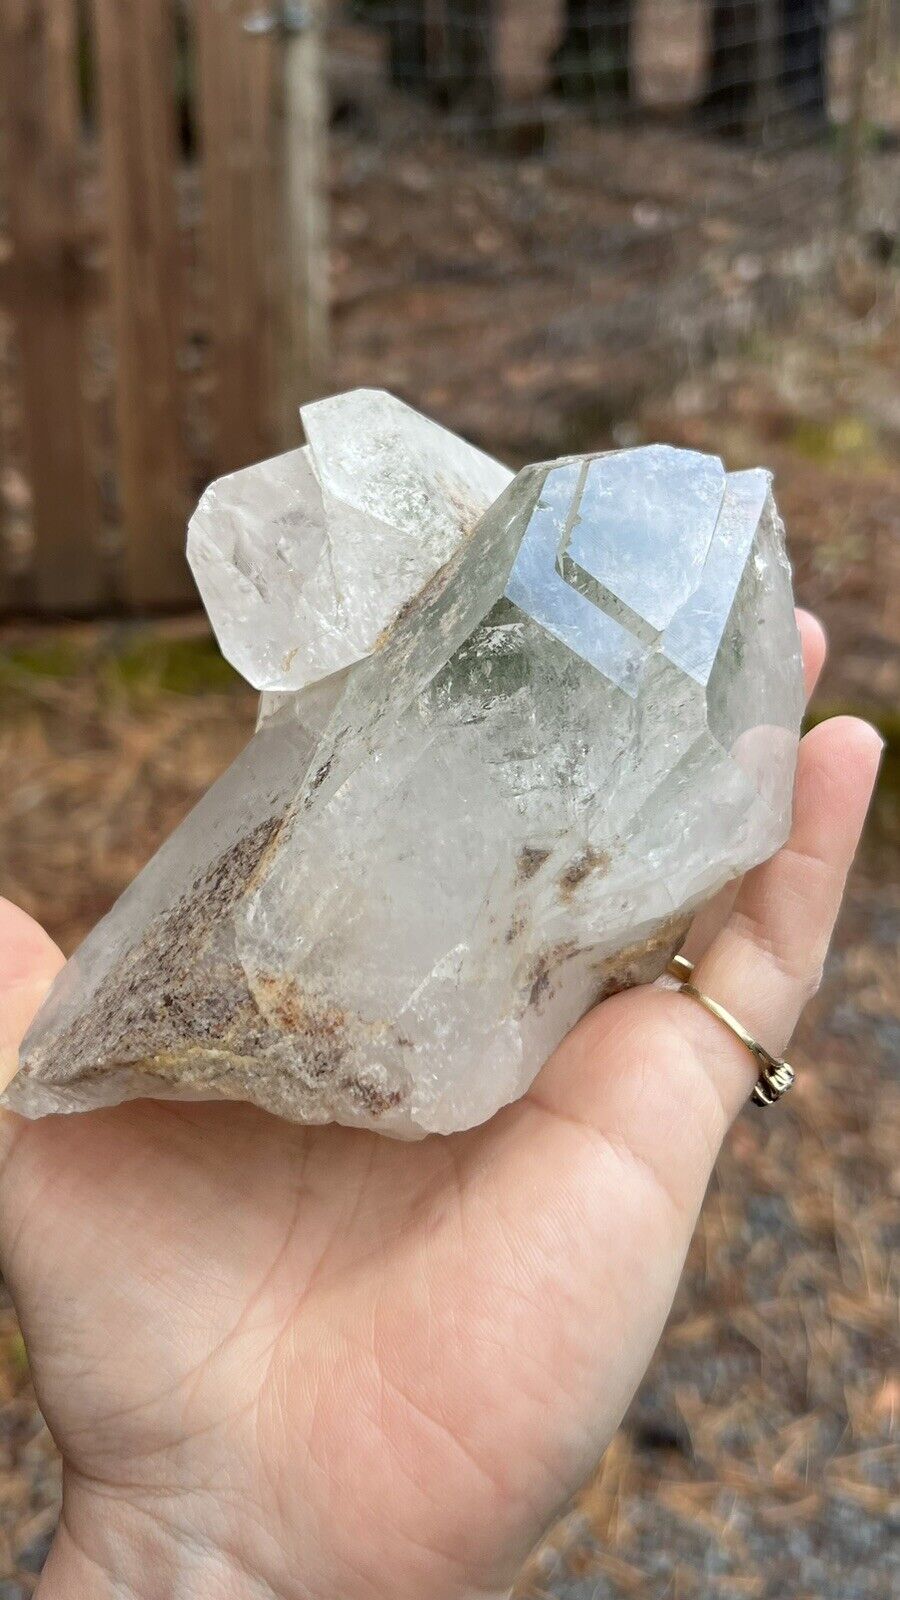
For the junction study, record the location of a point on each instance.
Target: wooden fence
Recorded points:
(162, 279)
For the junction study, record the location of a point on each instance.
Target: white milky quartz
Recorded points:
(514, 730)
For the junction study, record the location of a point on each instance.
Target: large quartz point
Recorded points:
(514, 730)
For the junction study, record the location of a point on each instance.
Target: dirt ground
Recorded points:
(759, 1457)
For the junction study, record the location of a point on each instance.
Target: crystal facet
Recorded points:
(513, 731)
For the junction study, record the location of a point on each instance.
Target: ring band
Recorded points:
(775, 1077)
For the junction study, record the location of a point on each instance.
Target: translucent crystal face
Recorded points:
(616, 546)
(515, 731)
(303, 561)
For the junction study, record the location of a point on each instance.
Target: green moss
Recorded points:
(177, 666)
(848, 438)
(759, 344)
(137, 661)
(51, 658)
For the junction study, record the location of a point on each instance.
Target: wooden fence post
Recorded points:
(236, 81)
(866, 45)
(305, 358)
(136, 71)
(38, 73)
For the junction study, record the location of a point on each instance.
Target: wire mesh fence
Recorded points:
(540, 210)
(536, 211)
(764, 58)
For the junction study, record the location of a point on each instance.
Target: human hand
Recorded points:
(289, 1363)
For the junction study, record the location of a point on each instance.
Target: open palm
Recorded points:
(287, 1362)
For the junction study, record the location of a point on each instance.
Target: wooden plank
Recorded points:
(135, 56)
(46, 289)
(236, 79)
(304, 150)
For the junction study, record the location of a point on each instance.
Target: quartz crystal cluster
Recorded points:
(513, 731)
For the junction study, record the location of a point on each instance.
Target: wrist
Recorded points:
(114, 1550)
(110, 1549)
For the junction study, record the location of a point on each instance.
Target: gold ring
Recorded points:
(775, 1077)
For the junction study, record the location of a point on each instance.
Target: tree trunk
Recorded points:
(465, 74)
(593, 59)
(408, 47)
(766, 56)
(805, 57)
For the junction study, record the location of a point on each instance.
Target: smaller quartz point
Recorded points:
(304, 561)
(513, 731)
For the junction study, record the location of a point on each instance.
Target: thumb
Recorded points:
(29, 961)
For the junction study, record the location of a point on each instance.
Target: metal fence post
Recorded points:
(305, 359)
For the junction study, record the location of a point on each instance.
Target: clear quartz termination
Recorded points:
(513, 731)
